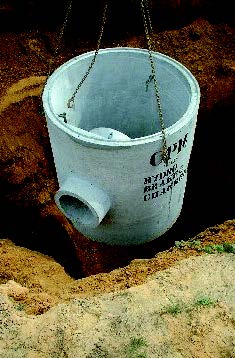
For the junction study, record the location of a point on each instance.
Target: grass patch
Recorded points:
(124, 294)
(204, 302)
(209, 249)
(194, 244)
(173, 309)
(135, 346)
(177, 308)
(228, 247)
(20, 307)
(99, 352)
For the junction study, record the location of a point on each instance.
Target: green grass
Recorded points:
(135, 346)
(209, 249)
(177, 308)
(228, 247)
(173, 309)
(188, 244)
(205, 302)
(20, 307)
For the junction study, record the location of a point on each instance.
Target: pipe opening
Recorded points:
(77, 211)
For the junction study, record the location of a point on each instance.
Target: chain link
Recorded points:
(151, 46)
(61, 34)
(150, 21)
(56, 50)
(70, 102)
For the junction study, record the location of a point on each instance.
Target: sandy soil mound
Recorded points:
(37, 282)
(187, 310)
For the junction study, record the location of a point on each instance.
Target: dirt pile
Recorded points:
(37, 282)
(187, 310)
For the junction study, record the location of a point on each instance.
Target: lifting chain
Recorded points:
(61, 34)
(151, 47)
(56, 50)
(70, 102)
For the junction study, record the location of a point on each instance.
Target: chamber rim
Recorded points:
(82, 136)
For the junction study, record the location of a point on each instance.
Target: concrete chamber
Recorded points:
(114, 186)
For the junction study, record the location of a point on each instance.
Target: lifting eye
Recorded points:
(63, 115)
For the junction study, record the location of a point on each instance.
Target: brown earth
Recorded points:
(30, 218)
(39, 282)
(28, 180)
(179, 304)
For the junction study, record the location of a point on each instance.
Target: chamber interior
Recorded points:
(119, 93)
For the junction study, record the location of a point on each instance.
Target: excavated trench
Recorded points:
(28, 180)
(207, 202)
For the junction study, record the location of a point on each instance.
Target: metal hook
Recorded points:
(151, 77)
(63, 115)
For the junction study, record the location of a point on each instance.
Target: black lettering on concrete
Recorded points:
(162, 183)
(169, 187)
(155, 195)
(163, 191)
(182, 143)
(175, 145)
(147, 180)
(174, 148)
(168, 180)
(154, 186)
(155, 177)
(147, 188)
(172, 170)
(176, 181)
(165, 180)
(147, 197)
(174, 175)
(153, 159)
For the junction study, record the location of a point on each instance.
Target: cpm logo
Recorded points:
(174, 148)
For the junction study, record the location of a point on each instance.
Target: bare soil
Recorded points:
(39, 282)
(28, 179)
(30, 220)
(180, 303)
